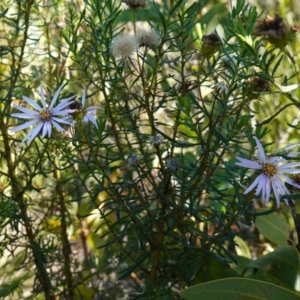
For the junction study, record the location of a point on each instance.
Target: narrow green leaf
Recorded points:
(4, 13)
(277, 65)
(174, 8)
(123, 274)
(162, 18)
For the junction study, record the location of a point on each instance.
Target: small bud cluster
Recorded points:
(133, 160)
(156, 140)
(172, 165)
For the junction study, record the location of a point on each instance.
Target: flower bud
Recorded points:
(135, 4)
(255, 85)
(210, 43)
(278, 32)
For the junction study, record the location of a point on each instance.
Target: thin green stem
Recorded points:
(66, 248)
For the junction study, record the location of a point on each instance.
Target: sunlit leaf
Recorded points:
(238, 288)
(288, 88)
(242, 247)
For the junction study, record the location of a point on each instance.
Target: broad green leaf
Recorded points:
(241, 263)
(273, 227)
(239, 289)
(283, 264)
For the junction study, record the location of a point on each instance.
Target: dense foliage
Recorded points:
(129, 189)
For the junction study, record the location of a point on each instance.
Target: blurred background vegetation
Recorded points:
(105, 213)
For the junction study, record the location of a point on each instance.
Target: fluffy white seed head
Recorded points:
(147, 38)
(123, 46)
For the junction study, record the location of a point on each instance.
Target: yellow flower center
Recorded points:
(269, 169)
(45, 115)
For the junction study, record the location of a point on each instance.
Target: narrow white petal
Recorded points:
(27, 137)
(260, 150)
(261, 190)
(33, 133)
(283, 178)
(253, 185)
(23, 126)
(267, 192)
(61, 112)
(281, 186)
(55, 96)
(83, 97)
(289, 168)
(92, 119)
(289, 181)
(58, 127)
(43, 96)
(279, 189)
(86, 119)
(246, 163)
(61, 120)
(93, 108)
(68, 99)
(275, 160)
(32, 103)
(26, 110)
(22, 116)
(276, 194)
(92, 113)
(293, 154)
(46, 129)
(56, 110)
(261, 187)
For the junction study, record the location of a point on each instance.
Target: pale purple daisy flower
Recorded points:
(84, 114)
(90, 113)
(271, 176)
(43, 117)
